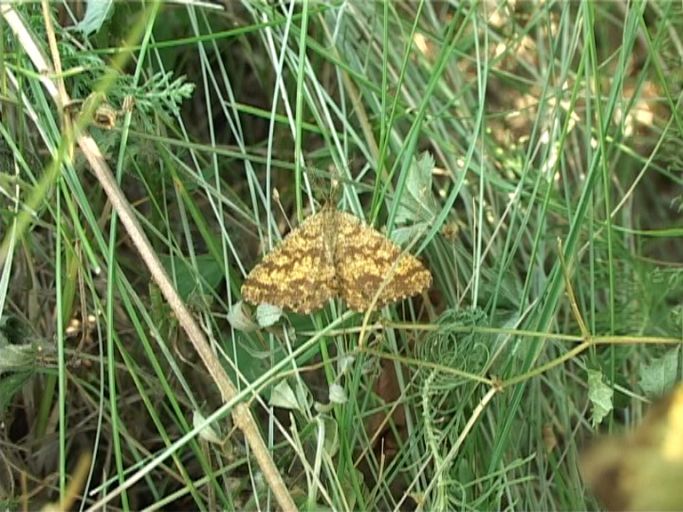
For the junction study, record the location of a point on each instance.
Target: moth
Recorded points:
(334, 254)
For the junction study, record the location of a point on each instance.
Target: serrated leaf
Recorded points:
(283, 396)
(337, 394)
(13, 357)
(96, 12)
(406, 235)
(238, 318)
(207, 433)
(267, 314)
(660, 375)
(600, 395)
(346, 363)
(331, 433)
(419, 203)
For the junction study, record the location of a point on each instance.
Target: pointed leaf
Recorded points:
(659, 376)
(418, 204)
(283, 396)
(238, 318)
(600, 395)
(267, 314)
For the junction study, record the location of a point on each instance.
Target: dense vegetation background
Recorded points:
(528, 153)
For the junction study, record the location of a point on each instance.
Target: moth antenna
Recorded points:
(276, 198)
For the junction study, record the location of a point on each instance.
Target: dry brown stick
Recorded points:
(241, 414)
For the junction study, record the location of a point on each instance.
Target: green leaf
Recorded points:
(207, 433)
(188, 277)
(267, 314)
(600, 395)
(96, 12)
(14, 357)
(419, 203)
(238, 318)
(283, 396)
(330, 431)
(338, 394)
(660, 375)
(407, 234)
